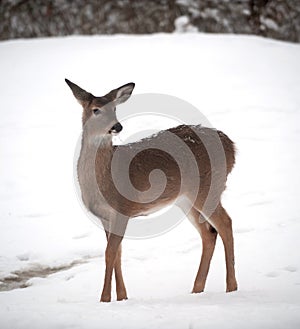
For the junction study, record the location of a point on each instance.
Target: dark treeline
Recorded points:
(279, 19)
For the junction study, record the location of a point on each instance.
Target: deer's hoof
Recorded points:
(122, 295)
(197, 290)
(232, 287)
(119, 298)
(105, 299)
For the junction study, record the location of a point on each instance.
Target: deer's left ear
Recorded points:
(80, 94)
(121, 94)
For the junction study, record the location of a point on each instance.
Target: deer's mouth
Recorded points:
(114, 130)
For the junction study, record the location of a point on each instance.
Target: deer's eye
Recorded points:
(96, 111)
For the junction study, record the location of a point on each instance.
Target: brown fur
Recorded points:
(149, 159)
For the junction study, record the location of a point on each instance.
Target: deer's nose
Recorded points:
(116, 128)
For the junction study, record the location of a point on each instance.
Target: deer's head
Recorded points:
(99, 113)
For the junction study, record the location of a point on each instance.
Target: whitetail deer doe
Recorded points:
(102, 197)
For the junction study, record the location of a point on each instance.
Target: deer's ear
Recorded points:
(80, 94)
(121, 94)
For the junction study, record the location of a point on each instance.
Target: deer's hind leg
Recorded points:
(223, 224)
(209, 236)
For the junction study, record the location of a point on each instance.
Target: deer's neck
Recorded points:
(102, 143)
(94, 150)
(93, 165)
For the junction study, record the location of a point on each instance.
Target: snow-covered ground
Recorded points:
(246, 86)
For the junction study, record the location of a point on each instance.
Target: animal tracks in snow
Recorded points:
(291, 269)
(277, 273)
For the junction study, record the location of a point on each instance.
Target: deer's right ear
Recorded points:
(121, 94)
(80, 94)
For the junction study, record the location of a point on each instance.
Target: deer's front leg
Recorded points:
(113, 257)
(111, 251)
(120, 286)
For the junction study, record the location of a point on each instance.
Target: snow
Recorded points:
(247, 86)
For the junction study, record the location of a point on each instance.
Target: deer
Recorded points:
(193, 178)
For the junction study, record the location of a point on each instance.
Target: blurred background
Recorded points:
(278, 19)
